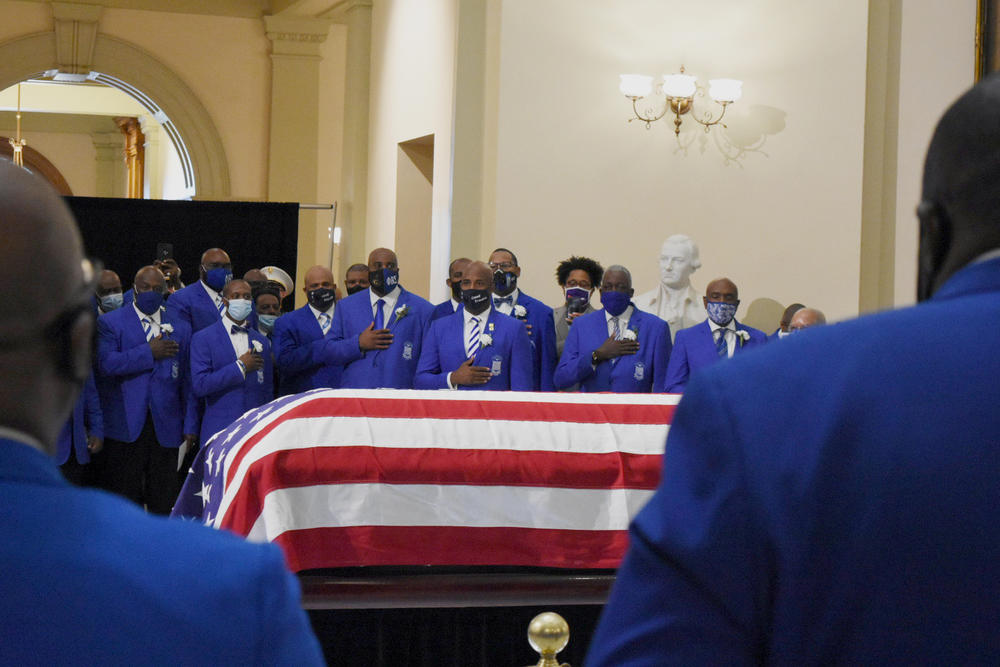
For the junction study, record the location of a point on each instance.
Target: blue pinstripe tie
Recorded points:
(473, 345)
(324, 322)
(720, 345)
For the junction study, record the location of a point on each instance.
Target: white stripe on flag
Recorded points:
(298, 508)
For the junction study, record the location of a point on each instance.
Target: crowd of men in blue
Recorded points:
(175, 364)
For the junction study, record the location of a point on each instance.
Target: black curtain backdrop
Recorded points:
(124, 233)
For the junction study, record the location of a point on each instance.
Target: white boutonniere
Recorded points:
(485, 340)
(257, 347)
(520, 312)
(402, 311)
(744, 336)
(167, 327)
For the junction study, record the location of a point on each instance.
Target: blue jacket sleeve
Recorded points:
(521, 371)
(546, 343)
(189, 402)
(661, 358)
(340, 347)
(693, 587)
(429, 374)
(112, 360)
(677, 368)
(93, 416)
(292, 355)
(284, 635)
(574, 366)
(206, 380)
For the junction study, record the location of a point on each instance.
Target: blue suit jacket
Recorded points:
(694, 349)
(508, 356)
(829, 500)
(193, 305)
(131, 384)
(393, 367)
(635, 373)
(443, 309)
(299, 353)
(543, 341)
(124, 587)
(85, 420)
(219, 383)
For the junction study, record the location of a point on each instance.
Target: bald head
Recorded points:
(722, 289)
(383, 267)
(318, 276)
(807, 317)
(108, 283)
(382, 258)
(961, 187)
(42, 368)
(478, 274)
(236, 289)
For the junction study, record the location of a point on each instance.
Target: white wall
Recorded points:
(412, 83)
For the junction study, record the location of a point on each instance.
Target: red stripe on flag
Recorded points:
(445, 545)
(374, 408)
(474, 467)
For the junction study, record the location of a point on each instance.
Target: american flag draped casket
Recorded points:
(342, 478)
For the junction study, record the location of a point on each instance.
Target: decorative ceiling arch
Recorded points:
(135, 72)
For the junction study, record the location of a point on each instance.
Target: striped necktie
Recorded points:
(219, 305)
(472, 346)
(720, 344)
(324, 322)
(617, 333)
(147, 328)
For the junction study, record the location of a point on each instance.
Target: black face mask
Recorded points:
(321, 299)
(504, 282)
(476, 300)
(354, 289)
(456, 290)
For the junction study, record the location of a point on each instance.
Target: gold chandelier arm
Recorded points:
(639, 116)
(708, 122)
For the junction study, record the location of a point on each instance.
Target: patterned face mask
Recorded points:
(720, 312)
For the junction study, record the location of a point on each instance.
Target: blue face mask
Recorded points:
(148, 302)
(239, 309)
(217, 278)
(615, 302)
(504, 282)
(111, 302)
(267, 321)
(720, 312)
(383, 281)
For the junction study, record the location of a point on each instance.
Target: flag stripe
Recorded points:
(341, 505)
(402, 545)
(288, 468)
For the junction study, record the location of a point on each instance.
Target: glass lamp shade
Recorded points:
(725, 90)
(679, 85)
(635, 85)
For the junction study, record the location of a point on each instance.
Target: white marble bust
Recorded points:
(674, 300)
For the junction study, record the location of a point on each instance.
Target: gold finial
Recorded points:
(548, 633)
(18, 143)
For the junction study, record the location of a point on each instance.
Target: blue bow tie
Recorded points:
(500, 300)
(237, 329)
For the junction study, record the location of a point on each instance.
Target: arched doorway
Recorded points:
(37, 163)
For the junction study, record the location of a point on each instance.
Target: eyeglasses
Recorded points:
(506, 266)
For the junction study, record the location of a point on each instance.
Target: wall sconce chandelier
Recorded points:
(680, 90)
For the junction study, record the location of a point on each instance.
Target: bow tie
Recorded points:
(501, 300)
(237, 329)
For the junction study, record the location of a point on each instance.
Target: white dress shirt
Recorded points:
(329, 312)
(215, 296)
(507, 309)
(455, 305)
(622, 321)
(730, 335)
(483, 318)
(154, 319)
(240, 340)
(390, 303)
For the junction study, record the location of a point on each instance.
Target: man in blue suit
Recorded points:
(718, 337)
(108, 292)
(231, 367)
(200, 304)
(300, 336)
(476, 347)
(454, 282)
(618, 348)
(510, 300)
(142, 361)
(377, 333)
(88, 578)
(832, 500)
(81, 436)
(356, 278)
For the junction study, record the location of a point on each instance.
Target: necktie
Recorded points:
(147, 328)
(472, 346)
(237, 329)
(503, 300)
(379, 314)
(617, 333)
(720, 344)
(219, 305)
(324, 322)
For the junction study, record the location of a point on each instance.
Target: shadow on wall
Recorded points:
(763, 314)
(745, 131)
